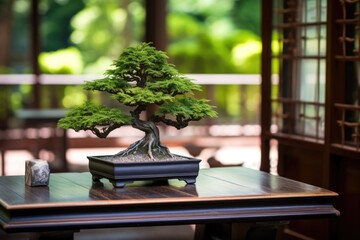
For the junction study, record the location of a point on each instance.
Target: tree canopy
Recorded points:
(140, 77)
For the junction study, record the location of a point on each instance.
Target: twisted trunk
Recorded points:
(149, 145)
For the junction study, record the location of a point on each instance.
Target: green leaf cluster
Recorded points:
(174, 86)
(142, 64)
(108, 84)
(141, 96)
(188, 108)
(88, 116)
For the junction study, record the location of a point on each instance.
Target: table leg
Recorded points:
(239, 231)
(2, 161)
(61, 235)
(64, 149)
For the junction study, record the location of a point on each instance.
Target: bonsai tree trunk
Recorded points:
(149, 146)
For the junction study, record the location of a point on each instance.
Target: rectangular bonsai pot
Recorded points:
(121, 173)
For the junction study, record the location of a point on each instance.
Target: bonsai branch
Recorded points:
(180, 122)
(103, 132)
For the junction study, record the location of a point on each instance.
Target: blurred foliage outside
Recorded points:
(204, 37)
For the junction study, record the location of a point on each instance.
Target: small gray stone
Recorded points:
(37, 172)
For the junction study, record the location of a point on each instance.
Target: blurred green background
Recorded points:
(84, 36)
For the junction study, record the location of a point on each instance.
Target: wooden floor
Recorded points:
(185, 232)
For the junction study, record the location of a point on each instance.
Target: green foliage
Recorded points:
(141, 96)
(73, 96)
(102, 29)
(109, 84)
(246, 15)
(140, 78)
(187, 108)
(206, 37)
(142, 60)
(90, 116)
(174, 86)
(55, 22)
(64, 61)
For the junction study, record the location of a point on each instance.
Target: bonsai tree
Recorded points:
(140, 78)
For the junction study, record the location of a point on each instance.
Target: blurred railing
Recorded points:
(75, 79)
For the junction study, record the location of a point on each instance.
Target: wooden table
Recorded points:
(221, 195)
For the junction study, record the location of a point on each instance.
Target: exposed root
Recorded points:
(149, 147)
(130, 150)
(146, 149)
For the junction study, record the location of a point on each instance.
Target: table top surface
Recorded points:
(219, 193)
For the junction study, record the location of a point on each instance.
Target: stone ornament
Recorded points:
(37, 172)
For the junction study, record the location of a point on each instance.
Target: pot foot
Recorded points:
(189, 180)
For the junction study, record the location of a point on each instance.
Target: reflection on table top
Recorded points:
(232, 193)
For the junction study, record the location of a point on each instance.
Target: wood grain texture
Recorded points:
(72, 201)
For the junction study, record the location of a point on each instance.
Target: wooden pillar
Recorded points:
(35, 51)
(155, 30)
(155, 24)
(6, 16)
(266, 29)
